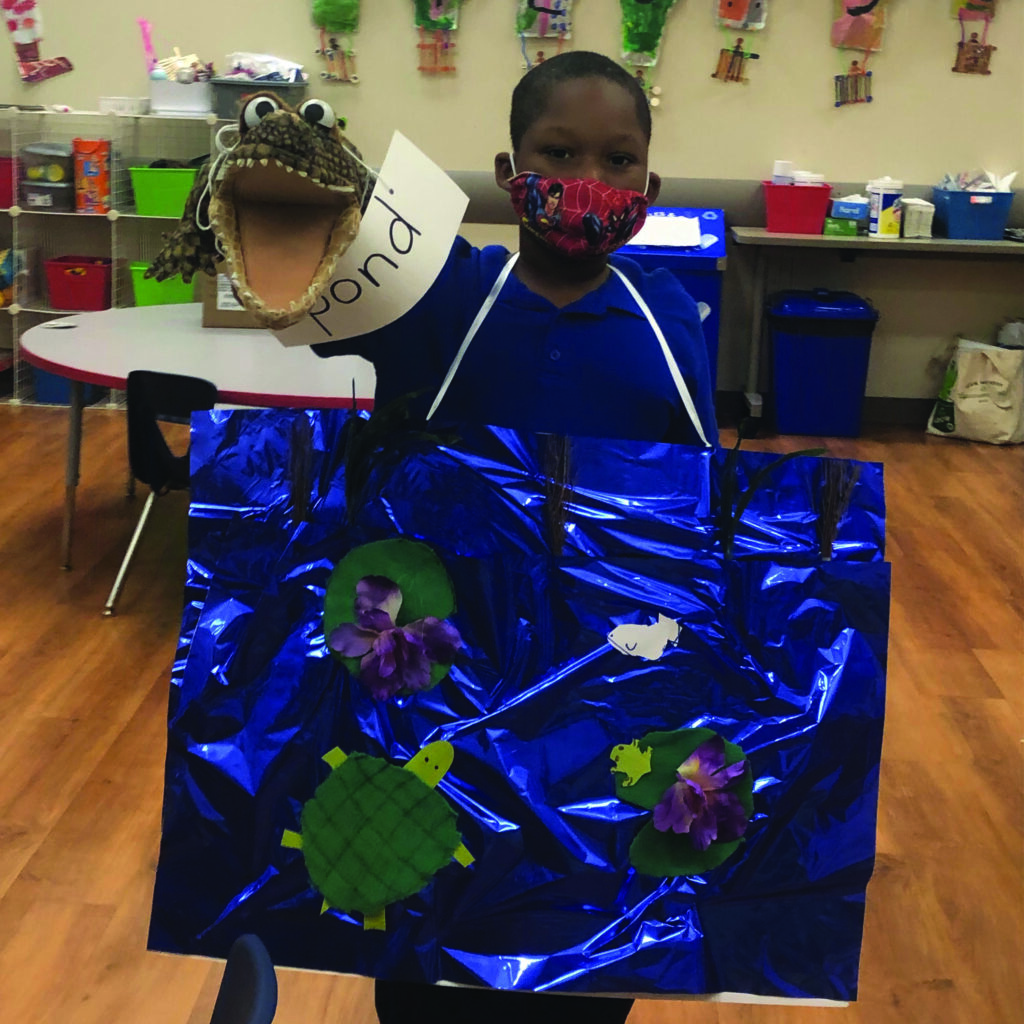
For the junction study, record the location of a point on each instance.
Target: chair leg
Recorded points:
(108, 608)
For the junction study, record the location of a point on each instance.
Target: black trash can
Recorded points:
(821, 342)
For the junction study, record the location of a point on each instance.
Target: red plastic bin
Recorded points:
(796, 209)
(79, 282)
(9, 175)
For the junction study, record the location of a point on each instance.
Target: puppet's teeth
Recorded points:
(264, 162)
(278, 162)
(303, 174)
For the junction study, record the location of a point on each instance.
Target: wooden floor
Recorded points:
(83, 699)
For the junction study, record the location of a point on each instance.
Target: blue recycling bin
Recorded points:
(698, 267)
(821, 342)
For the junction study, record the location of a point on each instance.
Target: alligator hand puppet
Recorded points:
(280, 207)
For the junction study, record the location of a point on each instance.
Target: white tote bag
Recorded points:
(982, 395)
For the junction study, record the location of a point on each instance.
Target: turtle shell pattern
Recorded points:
(374, 833)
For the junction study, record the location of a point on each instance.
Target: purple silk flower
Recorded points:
(698, 803)
(395, 659)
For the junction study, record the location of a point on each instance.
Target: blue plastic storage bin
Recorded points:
(821, 342)
(981, 215)
(53, 390)
(698, 269)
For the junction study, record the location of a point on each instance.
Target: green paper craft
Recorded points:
(336, 15)
(337, 18)
(437, 15)
(642, 26)
(419, 573)
(374, 833)
(667, 854)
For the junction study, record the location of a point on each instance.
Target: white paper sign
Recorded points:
(404, 239)
(668, 230)
(226, 295)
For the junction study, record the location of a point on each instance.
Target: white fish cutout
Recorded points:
(647, 642)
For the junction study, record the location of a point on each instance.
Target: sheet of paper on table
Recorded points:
(669, 230)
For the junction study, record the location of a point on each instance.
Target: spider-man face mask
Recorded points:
(580, 217)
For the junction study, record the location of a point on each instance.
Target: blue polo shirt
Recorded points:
(593, 368)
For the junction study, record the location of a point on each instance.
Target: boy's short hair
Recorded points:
(530, 96)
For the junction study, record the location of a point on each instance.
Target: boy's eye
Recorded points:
(557, 152)
(621, 160)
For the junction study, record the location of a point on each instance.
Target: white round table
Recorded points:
(248, 367)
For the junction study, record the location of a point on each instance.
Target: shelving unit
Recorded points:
(122, 235)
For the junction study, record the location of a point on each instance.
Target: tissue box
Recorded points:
(840, 226)
(917, 218)
(843, 209)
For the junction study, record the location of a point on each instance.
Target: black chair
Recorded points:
(248, 990)
(151, 397)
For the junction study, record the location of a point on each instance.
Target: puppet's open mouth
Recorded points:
(282, 233)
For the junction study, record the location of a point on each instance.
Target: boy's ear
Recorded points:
(503, 171)
(653, 188)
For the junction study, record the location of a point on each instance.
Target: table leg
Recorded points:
(753, 394)
(71, 468)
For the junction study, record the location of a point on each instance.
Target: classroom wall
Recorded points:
(924, 121)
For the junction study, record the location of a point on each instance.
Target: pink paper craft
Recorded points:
(859, 25)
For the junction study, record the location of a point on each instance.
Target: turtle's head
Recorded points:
(432, 762)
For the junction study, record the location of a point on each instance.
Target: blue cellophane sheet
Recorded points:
(779, 651)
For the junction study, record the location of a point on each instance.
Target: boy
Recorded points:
(564, 345)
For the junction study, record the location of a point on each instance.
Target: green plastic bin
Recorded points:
(161, 191)
(159, 293)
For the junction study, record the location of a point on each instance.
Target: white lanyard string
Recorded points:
(474, 327)
(673, 366)
(492, 297)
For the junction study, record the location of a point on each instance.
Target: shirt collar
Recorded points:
(610, 295)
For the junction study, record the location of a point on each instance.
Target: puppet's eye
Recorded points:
(258, 108)
(318, 112)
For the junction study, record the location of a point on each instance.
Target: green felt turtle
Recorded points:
(374, 832)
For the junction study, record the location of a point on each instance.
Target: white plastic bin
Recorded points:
(193, 100)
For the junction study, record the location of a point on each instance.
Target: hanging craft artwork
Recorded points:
(436, 21)
(25, 23)
(854, 86)
(643, 24)
(747, 15)
(338, 21)
(548, 21)
(858, 25)
(732, 63)
(973, 52)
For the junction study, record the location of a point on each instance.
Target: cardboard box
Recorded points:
(220, 307)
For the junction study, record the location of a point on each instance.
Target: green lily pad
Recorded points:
(419, 573)
(665, 854)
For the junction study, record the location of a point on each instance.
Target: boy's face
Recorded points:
(589, 129)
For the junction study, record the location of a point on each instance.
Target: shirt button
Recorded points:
(555, 354)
